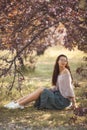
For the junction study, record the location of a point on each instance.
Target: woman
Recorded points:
(60, 96)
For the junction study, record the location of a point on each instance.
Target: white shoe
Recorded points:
(9, 104)
(17, 105)
(13, 105)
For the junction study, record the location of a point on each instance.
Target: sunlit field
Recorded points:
(30, 117)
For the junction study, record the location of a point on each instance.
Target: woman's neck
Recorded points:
(61, 69)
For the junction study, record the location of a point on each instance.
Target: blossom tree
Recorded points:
(32, 25)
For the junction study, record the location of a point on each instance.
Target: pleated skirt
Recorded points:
(51, 100)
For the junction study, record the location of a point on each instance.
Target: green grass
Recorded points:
(42, 77)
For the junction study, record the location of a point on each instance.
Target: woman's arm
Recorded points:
(73, 100)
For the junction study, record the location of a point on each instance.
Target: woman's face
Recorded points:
(62, 61)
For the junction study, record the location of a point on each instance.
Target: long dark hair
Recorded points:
(56, 69)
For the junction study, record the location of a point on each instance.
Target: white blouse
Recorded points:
(65, 86)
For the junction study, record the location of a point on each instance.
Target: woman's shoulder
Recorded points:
(66, 71)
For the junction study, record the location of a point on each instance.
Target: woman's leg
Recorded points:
(31, 97)
(21, 99)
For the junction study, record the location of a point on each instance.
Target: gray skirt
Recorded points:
(51, 100)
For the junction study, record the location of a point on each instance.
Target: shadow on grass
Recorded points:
(32, 118)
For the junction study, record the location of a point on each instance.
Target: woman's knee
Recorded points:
(41, 89)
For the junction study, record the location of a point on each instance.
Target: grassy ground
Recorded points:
(30, 118)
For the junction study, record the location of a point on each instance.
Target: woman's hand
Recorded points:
(53, 88)
(74, 106)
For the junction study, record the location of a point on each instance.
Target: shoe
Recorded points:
(17, 105)
(13, 105)
(9, 104)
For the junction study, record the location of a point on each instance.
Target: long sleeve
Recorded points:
(65, 85)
